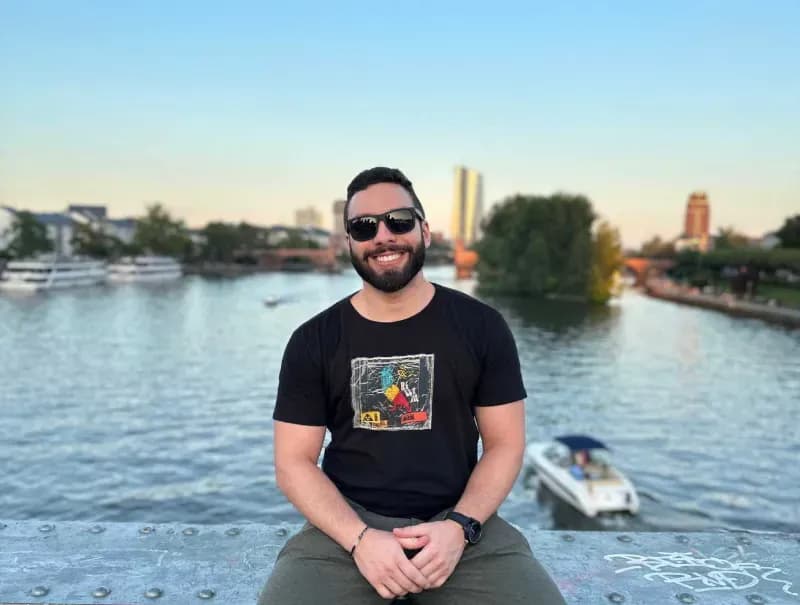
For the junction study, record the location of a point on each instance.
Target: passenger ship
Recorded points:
(144, 269)
(48, 272)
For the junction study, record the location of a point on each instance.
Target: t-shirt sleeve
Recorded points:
(301, 398)
(501, 379)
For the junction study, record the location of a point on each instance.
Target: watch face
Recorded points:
(474, 532)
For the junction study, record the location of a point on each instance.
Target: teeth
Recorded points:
(387, 258)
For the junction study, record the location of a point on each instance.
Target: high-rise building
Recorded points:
(697, 221)
(338, 217)
(338, 239)
(467, 205)
(308, 217)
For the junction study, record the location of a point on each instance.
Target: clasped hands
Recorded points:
(381, 560)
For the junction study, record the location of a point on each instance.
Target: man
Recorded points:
(405, 374)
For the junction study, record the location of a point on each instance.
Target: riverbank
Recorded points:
(726, 303)
(73, 563)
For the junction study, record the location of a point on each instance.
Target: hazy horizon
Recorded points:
(251, 112)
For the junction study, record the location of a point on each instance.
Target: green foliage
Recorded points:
(728, 237)
(537, 245)
(28, 237)
(789, 234)
(297, 239)
(607, 260)
(159, 233)
(222, 240)
(762, 260)
(88, 242)
(657, 248)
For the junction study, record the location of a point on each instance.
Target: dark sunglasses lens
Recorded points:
(363, 228)
(400, 221)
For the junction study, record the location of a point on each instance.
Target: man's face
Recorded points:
(389, 261)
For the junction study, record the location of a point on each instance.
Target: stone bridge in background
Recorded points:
(298, 259)
(644, 268)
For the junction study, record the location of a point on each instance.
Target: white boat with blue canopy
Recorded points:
(578, 469)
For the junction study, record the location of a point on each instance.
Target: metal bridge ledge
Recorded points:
(76, 563)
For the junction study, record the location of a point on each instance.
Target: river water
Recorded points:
(153, 403)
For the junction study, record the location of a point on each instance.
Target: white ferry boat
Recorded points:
(144, 269)
(46, 272)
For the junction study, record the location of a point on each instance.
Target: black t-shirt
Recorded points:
(398, 397)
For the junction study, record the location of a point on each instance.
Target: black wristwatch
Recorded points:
(472, 527)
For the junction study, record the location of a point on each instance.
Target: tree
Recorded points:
(28, 237)
(607, 261)
(655, 247)
(297, 239)
(91, 242)
(222, 240)
(728, 237)
(537, 245)
(159, 233)
(789, 234)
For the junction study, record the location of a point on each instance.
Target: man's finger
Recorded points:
(413, 543)
(431, 570)
(383, 591)
(394, 587)
(414, 574)
(411, 531)
(422, 558)
(404, 582)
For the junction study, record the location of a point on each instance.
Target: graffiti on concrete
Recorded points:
(698, 573)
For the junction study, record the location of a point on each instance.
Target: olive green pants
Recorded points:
(312, 569)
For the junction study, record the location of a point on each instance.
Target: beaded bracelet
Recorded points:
(361, 535)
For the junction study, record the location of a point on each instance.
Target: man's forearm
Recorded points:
(315, 495)
(490, 482)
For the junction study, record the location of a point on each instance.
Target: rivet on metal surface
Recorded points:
(206, 593)
(190, 531)
(756, 599)
(282, 532)
(101, 592)
(743, 540)
(683, 540)
(153, 593)
(233, 531)
(685, 597)
(624, 539)
(97, 529)
(568, 538)
(48, 527)
(615, 597)
(147, 530)
(39, 591)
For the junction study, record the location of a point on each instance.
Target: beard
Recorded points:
(390, 280)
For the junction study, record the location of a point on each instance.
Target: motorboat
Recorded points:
(48, 272)
(144, 269)
(578, 469)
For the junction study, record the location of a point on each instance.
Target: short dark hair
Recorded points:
(380, 174)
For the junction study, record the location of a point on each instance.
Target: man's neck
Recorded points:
(376, 305)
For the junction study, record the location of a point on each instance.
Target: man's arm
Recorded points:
(502, 429)
(297, 449)
(379, 555)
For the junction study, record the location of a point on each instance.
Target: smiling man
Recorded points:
(406, 375)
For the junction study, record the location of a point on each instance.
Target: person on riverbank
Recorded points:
(406, 374)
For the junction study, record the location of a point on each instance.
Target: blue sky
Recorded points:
(251, 110)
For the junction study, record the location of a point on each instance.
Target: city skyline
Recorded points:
(255, 112)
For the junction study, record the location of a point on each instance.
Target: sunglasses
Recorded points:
(365, 227)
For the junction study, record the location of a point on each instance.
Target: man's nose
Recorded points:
(383, 234)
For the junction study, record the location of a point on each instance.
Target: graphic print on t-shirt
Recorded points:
(392, 393)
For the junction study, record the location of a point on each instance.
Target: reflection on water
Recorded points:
(153, 403)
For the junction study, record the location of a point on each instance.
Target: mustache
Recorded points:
(384, 249)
